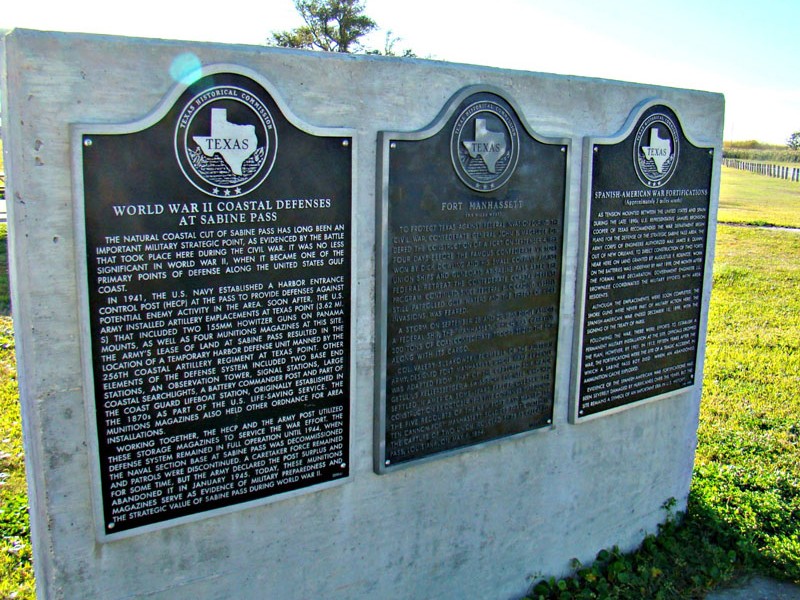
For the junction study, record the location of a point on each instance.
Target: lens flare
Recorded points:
(185, 68)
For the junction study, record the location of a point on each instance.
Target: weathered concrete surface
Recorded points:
(480, 524)
(758, 588)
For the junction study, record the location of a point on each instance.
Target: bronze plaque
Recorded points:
(647, 235)
(472, 221)
(217, 257)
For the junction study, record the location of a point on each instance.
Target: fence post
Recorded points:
(768, 169)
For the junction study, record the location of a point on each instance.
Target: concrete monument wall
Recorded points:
(483, 521)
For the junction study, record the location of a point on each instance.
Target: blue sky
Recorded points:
(746, 50)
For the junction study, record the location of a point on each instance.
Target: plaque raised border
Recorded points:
(385, 143)
(647, 183)
(79, 132)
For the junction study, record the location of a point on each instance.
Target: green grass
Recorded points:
(748, 459)
(16, 570)
(752, 199)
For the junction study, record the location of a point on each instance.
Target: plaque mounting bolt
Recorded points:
(595, 148)
(343, 466)
(563, 148)
(392, 145)
(387, 462)
(111, 525)
(345, 143)
(87, 142)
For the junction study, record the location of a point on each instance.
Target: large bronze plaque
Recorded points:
(217, 260)
(646, 246)
(471, 235)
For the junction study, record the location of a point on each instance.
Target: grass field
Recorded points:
(758, 200)
(16, 571)
(744, 505)
(748, 459)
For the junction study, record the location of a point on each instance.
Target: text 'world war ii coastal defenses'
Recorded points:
(472, 235)
(648, 226)
(218, 267)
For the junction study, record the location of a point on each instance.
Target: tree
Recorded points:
(330, 25)
(389, 48)
(794, 141)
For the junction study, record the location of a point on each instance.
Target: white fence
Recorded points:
(770, 170)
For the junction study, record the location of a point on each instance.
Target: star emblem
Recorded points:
(489, 145)
(484, 145)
